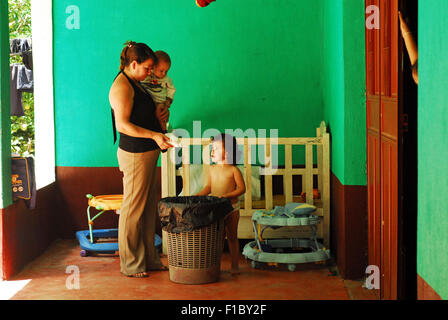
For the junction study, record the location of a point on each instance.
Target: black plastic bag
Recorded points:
(185, 214)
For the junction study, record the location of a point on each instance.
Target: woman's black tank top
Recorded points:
(143, 114)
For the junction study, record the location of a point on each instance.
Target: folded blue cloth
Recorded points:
(294, 209)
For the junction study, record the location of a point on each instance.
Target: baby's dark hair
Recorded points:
(230, 145)
(163, 56)
(134, 51)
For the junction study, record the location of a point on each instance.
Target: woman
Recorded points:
(133, 115)
(411, 46)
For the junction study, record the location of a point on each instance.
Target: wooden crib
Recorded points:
(307, 174)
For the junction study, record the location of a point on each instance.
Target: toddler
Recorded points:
(225, 181)
(160, 85)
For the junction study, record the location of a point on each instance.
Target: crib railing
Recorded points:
(322, 170)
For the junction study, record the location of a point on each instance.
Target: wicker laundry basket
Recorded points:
(194, 228)
(194, 257)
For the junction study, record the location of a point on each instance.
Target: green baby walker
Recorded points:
(285, 251)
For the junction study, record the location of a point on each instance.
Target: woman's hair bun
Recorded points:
(134, 51)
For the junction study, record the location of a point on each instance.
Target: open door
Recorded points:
(382, 144)
(373, 62)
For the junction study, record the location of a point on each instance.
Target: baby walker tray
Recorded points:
(285, 251)
(100, 240)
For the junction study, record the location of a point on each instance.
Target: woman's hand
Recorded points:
(162, 140)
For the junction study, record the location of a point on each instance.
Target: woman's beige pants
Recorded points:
(136, 226)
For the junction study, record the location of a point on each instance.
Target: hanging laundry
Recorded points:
(21, 81)
(27, 59)
(16, 95)
(19, 45)
(25, 80)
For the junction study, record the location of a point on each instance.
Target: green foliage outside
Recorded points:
(22, 128)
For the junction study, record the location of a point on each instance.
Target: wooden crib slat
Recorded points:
(171, 172)
(164, 173)
(309, 173)
(186, 169)
(319, 163)
(287, 177)
(248, 174)
(205, 162)
(281, 172)
(281, 141)
(268, 177)
(194, 141)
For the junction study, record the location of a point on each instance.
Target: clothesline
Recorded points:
(19, 53)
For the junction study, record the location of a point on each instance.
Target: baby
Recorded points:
(226, 181)
(160, 85)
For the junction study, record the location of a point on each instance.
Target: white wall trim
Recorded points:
(42, 36)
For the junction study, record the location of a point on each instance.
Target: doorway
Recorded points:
(42, 61)
(407, 206)
(391, 111)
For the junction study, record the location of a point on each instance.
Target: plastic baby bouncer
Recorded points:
(283, 251)
(89, 239)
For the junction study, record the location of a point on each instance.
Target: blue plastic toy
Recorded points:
(103, 247)
(88, 238)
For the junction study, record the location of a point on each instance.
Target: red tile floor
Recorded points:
(99, 279)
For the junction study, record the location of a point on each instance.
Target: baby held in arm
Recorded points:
(226, 181)
(161, 86)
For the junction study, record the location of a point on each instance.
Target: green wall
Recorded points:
(5, 124)
(333, 82)
(343, 82)
(236, 64)
(432, 228)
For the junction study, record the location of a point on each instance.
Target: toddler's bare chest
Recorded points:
(222, 176)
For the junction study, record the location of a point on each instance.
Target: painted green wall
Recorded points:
(333, 82)
(343, 83)
(432, 235)
(236, 64)
(5, 124)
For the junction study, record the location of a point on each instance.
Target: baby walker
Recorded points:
(89, 240)
(284, 251)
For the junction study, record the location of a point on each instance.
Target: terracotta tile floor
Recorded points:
(100, 279)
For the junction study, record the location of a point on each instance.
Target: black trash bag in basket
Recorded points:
(185, 214)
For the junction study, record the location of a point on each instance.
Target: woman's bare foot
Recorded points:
(139, 275)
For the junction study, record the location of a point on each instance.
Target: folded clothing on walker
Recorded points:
(293, 210)
(292, 214)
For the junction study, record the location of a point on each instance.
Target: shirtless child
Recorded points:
(225, 181)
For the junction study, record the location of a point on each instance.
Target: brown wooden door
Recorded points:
(373, 96)
(382, 144)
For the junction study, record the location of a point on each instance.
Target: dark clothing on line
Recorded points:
(21, 81)
(19, 45)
